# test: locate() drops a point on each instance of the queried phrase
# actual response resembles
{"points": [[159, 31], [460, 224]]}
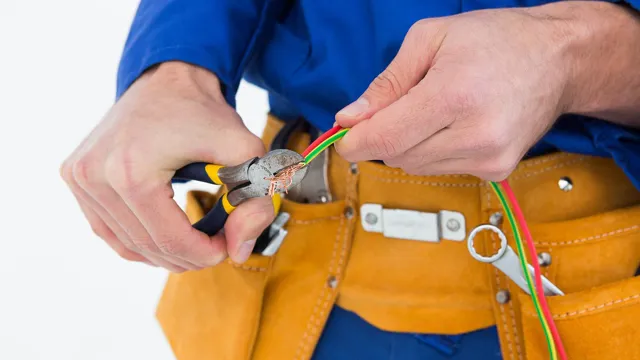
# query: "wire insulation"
{"points": [[321, 139], [534, 256], [525, 270], [324, 145]]}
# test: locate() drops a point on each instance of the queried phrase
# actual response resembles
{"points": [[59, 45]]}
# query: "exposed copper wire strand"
{"points": [[283, 179]]}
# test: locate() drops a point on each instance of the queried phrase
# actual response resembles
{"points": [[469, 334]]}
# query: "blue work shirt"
{"points": [[315, 57]]}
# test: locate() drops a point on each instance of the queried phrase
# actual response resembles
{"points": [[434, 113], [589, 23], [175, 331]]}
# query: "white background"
{"points": [[63, 293]]}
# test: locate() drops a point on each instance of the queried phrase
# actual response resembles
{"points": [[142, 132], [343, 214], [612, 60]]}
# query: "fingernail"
{"points": [[355, 108], [245, 251]]}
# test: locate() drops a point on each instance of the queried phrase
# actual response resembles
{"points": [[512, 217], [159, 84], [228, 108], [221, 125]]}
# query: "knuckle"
{"points": [[144, 246], [387, 84], [413, 170], [261, 218], [254, 147], [417, 31], [498, 168], [490, 139], [394, 163], [121, 174], [461, 101], [66, 172], [81, 171], [170, 246], [101, 230], [383, 147], [419, 26], [128, 255]]}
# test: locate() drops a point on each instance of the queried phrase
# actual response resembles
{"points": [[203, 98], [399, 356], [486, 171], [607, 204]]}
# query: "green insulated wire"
{"points": [[325, 144], [525, 269]]}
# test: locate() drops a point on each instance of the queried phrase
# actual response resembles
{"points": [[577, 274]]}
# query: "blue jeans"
{"points": [[348, 337]]}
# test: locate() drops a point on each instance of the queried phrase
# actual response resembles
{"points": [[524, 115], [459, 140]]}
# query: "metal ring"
{"points": [[503, 243]]}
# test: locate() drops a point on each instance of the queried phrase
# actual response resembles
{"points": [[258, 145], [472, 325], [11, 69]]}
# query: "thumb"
{"points": [[405, 71]]}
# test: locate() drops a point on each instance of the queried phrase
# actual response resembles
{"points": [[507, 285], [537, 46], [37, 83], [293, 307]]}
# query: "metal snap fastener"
{"points": [[323, 197], [503, 296], [332, 282], [565, 184], [544, 259], [354, 168], [348, 212], [453, 224], [496, 219], [371, 219]]}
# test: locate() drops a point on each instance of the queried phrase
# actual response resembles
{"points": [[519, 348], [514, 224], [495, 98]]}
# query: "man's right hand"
{"points": [[121, 173]]}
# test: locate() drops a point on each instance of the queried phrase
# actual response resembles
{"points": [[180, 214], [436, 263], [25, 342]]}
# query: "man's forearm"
{"points": [[604, 59]]}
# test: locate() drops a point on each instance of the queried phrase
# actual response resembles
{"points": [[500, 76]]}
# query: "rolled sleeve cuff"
{"points": [[131, 70]]}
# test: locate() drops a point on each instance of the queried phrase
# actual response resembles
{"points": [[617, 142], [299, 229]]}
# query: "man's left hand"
{"points": [[466, 94]]}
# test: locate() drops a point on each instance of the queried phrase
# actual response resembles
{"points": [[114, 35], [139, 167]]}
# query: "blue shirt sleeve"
{"points": [[218, 35]]}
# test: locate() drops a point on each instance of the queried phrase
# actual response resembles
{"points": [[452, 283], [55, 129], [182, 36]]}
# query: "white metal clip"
{"points": [[413, 225]]}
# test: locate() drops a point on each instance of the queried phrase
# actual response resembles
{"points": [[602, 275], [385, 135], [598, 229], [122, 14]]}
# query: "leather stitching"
{"points": [[416, 182], [590, 238], [400, 172], [507, 333], [547, 169], [531, 163], [501, 306], [593, 308], [246, 267], [320, 308], [523, 165], [312, 323], [314, 221], [515, 329]]}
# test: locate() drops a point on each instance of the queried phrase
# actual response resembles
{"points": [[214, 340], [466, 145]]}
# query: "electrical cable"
{"points": [[534, 256], [525, 270], [324, 145], [320, 139]]}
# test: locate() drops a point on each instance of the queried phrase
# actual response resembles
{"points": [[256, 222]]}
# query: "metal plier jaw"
{"points": [[244, 181]]}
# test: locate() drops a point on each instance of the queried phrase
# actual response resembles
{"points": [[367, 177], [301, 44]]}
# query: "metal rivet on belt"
{"points": [[496, 219], [371, 219], [565, 184], [323, 197], [503, 296], [453, 224], [332, 282], [348, 212], [544, 259], [354, 168]]}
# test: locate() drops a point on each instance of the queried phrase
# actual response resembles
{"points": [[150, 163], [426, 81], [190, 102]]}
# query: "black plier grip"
{"points": [[244, 181]]}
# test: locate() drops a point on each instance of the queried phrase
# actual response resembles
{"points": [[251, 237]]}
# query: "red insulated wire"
{"points": [[534, 259], [322, 138]]}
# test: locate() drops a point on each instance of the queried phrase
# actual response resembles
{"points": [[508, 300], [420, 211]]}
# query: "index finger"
{"points": [[397, 128], [170, 228]]}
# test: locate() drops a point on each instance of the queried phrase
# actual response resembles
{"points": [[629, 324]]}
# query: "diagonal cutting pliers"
{"points": [[245, 181]]}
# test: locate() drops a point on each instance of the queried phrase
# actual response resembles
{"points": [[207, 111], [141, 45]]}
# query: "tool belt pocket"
{"points": [[594, 261], [600, 323], [214, 311]]}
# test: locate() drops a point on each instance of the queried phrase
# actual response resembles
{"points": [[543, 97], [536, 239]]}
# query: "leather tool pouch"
{"points": [[595, 259], [214, 312]]}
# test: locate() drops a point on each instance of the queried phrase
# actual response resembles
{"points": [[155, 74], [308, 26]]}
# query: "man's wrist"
{"points": [[185, 77], [603, 57]]}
